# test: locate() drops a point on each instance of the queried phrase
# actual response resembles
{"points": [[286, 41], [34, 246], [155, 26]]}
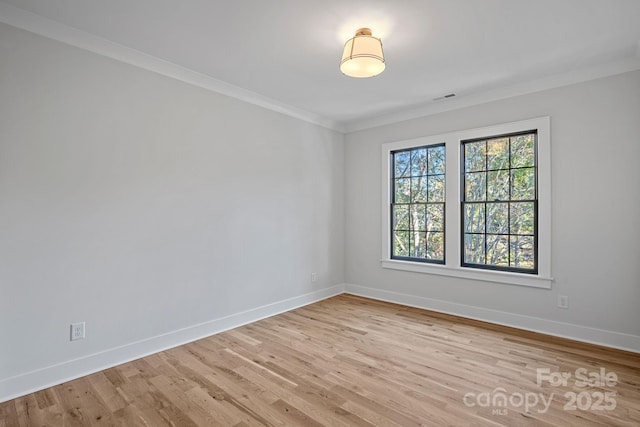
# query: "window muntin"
{"points": [[500, 203], [418, 204]]}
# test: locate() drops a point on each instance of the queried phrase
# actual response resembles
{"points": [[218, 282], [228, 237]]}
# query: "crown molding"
{"points": [[42, 26], [628, 64]]}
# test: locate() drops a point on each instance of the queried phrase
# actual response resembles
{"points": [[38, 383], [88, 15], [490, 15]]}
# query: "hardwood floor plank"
{"points": [[350, 361], [110, 395]]}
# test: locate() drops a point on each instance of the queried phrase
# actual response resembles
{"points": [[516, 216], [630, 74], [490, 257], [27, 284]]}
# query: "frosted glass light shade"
{"points": [[362, 56]]}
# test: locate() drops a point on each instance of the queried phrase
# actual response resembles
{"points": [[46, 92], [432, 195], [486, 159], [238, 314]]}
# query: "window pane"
{"points": [[417, 245], [523, 151], [523, 184], [401, 161], [474, 156], [401, 217], [498, 153], [498, 185], [418, 220], [402, 194], [498, 250], [401, 243], [522, 252], [475, 187], [436, 160], [419, 162], [418, 201], [474, 248], [436, 188], [498, 218], [435, 246], [435, 217], [419, 189], [499, 203], [474, 218], [522, 218]]}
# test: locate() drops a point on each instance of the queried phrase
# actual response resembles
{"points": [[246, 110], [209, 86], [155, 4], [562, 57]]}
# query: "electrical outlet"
{"points": [[563, 301], [314, 277], [77, 331]]}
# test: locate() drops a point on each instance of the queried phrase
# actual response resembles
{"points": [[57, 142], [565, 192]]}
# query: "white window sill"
{"points": [[531, 280]]}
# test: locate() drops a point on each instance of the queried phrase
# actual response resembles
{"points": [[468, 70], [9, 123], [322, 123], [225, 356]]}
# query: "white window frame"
{"points": [[452, 266]]}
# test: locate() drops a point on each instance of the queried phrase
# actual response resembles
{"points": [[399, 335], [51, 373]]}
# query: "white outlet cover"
{"points": [[563, 301], [77, 331]]}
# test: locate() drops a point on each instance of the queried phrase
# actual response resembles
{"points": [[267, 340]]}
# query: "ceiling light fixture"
{"points": [[362, 56]]}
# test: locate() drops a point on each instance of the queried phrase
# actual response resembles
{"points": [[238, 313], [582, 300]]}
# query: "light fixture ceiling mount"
{"points": [[362, 56]]}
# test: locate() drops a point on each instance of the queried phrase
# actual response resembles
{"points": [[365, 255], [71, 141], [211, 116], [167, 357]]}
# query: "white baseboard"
{"points": [[39, 379], [586, 334]]}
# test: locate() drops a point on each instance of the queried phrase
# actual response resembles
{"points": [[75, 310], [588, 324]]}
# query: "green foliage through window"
{"points": [[418, 203], [499, 203]]}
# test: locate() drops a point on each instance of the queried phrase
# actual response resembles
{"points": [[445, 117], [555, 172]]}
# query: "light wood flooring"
{"points": [[349, 361]]}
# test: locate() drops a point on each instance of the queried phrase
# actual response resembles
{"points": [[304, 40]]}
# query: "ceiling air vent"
{"points": [[450, 95]]}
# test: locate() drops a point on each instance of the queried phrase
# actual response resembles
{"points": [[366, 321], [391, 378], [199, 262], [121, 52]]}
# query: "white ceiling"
{"points": [[287, 51]]}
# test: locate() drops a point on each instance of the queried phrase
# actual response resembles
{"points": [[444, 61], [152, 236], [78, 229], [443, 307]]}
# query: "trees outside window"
{"points": [[499, 203], [417, 208]]}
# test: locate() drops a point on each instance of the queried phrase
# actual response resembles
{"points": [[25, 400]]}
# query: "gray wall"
{"points": [[142, 205], [147, 207], [595, 151]]}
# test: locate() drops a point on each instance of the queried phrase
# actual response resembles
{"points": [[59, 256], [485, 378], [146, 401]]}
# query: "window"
{"points": [[499, 203], [472, 204], [417, 207]]}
